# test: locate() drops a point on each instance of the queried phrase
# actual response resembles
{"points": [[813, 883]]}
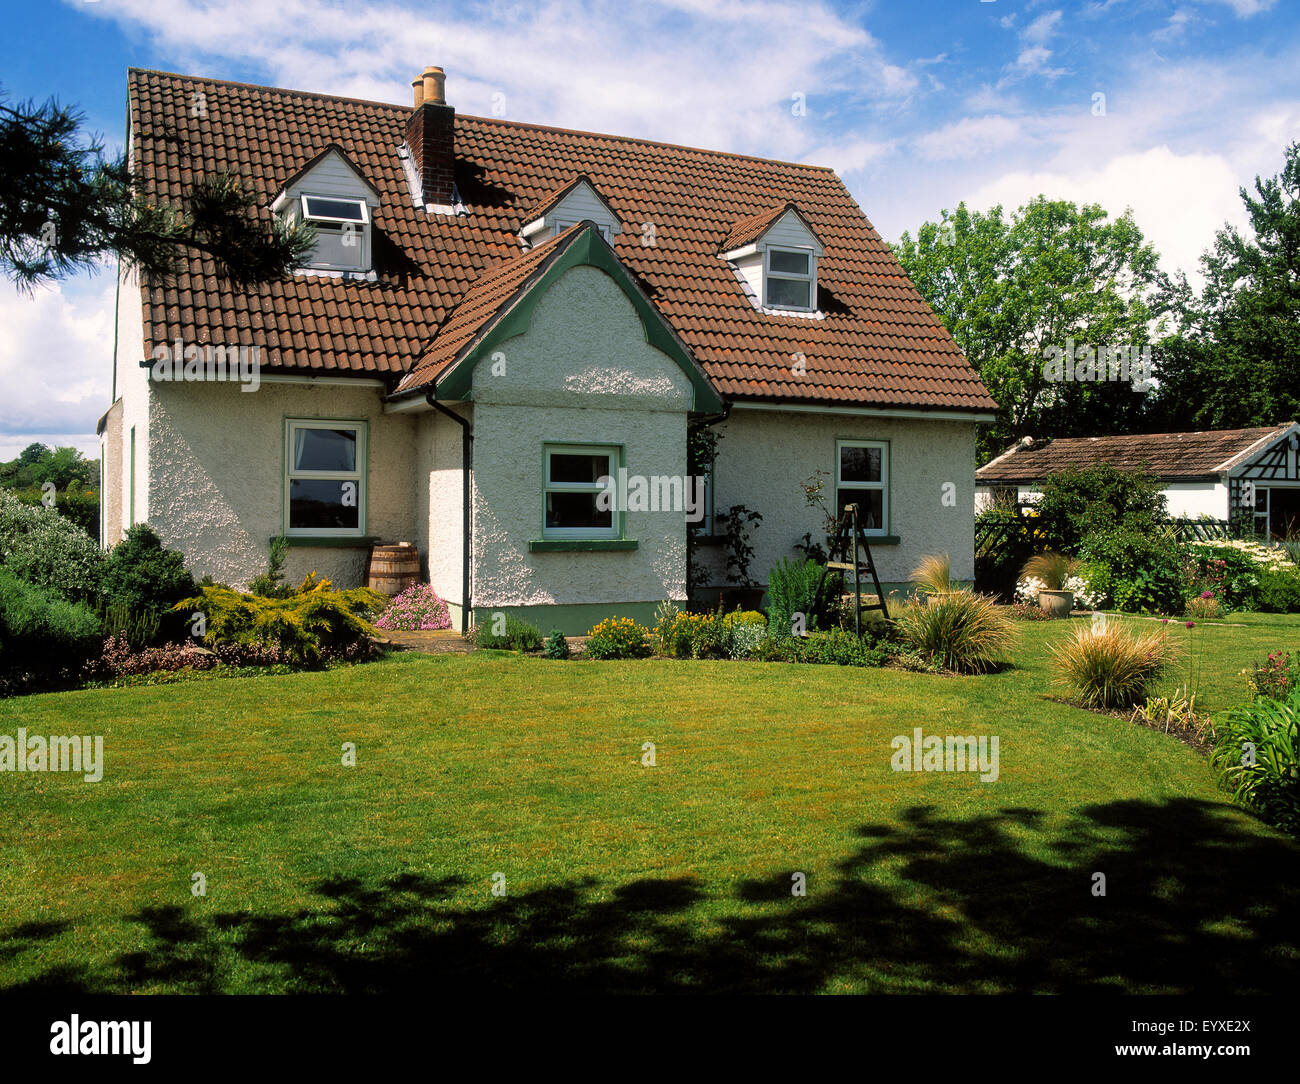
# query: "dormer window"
{"points": [[774, 255], [789, 282], [578, 201], [342, 232], [331, 193]]}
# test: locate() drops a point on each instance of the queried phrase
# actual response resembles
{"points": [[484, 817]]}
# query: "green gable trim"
{"points": [[586, 249], [580, 545]]}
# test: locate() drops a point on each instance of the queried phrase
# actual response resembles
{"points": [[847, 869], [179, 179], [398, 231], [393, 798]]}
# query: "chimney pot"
{"points": [[435, 85], [418, 84]]}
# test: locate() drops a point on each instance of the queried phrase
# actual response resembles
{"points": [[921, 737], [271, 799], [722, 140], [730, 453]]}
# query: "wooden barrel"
{"points": [[393, 568]]}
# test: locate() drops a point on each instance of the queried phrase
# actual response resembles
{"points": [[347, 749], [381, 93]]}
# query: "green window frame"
{"points": [[563, 497], [854, 467], [300, 481]]}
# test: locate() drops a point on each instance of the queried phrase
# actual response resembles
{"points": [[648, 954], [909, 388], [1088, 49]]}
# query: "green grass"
{"points": [[623, 877]]}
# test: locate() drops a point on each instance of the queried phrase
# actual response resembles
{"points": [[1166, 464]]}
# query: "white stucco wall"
{"points": [[582, 373], [439, 496], [1191, 500], [216, 475], [1185, 500], [765, 456]]}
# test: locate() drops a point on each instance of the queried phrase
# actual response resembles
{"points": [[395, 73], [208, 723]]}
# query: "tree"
{"points": [[1055, 276], [1239, 363], [65, 207], [37, 464]]}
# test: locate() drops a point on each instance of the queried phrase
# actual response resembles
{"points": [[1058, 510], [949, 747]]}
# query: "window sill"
{"points": [[580, 545], [357, 542], [883, 540]]}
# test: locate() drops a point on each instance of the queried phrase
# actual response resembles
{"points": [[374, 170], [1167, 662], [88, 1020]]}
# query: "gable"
{"points": [[575, 202], [581, 246]]}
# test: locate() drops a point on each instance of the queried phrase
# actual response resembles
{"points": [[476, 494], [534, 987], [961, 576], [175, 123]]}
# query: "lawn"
{"points": [[625, 877]]}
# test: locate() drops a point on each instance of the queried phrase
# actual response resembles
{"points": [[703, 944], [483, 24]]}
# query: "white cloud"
{"points": [[1178, 200], [1041, 29], [969, 138], [55, 364], [1244, 9]]}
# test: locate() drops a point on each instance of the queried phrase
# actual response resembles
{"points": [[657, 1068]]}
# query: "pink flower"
{"points": [[1191, 624], [1207, 594]]}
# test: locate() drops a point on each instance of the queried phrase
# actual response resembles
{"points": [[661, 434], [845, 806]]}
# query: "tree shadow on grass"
{"points": [[1194, 903]]}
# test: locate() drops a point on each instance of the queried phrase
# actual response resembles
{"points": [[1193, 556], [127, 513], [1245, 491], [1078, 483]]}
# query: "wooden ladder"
{"points": [[849, 538]]}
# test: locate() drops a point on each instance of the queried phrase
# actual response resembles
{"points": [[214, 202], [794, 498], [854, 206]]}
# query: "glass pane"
{"points": [[859, 464], [576, 510], [567, 468], [335, 208], [321, 502], [325, 449], [789, 293], [792, 263], [871, 506]]}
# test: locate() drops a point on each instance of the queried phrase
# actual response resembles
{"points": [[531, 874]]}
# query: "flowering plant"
{"points": [[417, 608]]}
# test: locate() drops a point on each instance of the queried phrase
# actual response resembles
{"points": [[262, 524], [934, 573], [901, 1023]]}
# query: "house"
{"points": [[499, 351], [1245, 476]]}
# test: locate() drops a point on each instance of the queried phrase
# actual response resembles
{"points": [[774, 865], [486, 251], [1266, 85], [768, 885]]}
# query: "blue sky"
{"points": [[918, 104]]}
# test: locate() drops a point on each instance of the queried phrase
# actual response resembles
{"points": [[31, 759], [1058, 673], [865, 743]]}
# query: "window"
{"points": [[573, 508], [862, 478], [341, 231], [560, 227], [790, 278], [324, 491]]}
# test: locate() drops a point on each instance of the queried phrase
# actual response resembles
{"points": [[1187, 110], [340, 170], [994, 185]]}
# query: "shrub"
{"points": [[709, 637], [143, 578], [138, 628], [962, 631], [417, 608], [1278, 592], [515, 634], [41, 631], [618, 638], [270, 584], [309, 628], [744, 641], [557, 647], [792, 589], [743, 617], [1076, 503], [76, 503], [1257, 757], [1203, 607], [673, 632], [837, 647], [1232, 570], [44, 548], [1276, 677], [1143, 567], [1112, 667]]}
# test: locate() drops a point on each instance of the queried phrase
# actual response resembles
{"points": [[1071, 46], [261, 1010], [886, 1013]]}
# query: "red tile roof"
{"points": [[753, 227], [879, 343], [1169, 456]]}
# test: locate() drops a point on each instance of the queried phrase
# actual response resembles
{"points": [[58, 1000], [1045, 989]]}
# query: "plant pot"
{"points": [[1056, 603]]}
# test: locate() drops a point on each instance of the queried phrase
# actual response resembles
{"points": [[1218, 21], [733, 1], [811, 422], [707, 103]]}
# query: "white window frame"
{"points": [[365, 209], [561, 226], [329, 225], [291, 426], [614, 455], [810, 278], [882, 485]]}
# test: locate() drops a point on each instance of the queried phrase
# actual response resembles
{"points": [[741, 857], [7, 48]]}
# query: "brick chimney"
{"points": [[431, 138]]}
